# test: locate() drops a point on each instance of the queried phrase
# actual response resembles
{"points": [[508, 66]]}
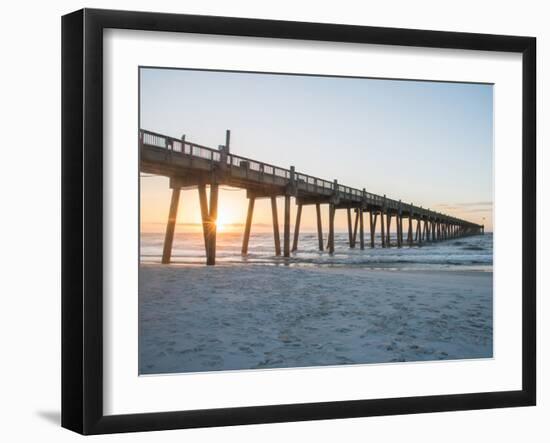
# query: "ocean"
{"points": [[462, 254]]}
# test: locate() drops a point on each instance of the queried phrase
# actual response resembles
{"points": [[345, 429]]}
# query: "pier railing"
{"points": [[303, 181]]}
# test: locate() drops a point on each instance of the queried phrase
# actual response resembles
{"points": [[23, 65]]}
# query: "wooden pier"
{"points": [[189, 165]]}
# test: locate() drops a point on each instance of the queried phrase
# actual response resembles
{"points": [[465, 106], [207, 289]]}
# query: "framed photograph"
{"points": [[269, 221]]}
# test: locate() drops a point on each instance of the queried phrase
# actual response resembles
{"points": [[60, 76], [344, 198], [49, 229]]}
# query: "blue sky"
{"points": [[429, 143]]}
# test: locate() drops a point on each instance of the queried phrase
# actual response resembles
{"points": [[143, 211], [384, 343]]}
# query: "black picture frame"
{"points": [[82, 218]]}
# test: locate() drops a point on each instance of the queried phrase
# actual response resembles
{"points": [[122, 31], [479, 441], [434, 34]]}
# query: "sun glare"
{"points": [[222, 223]]}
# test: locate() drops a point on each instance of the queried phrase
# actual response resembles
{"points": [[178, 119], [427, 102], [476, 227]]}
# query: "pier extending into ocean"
{"points": [[190, 165]]}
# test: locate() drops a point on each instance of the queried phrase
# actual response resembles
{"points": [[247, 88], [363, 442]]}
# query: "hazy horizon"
{"points": [[237, 227]]}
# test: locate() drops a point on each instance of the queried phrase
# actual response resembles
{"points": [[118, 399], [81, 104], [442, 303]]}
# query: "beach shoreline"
{"points": [[252, 316]]}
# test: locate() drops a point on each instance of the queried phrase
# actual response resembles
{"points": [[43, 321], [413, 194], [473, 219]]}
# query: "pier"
{"points": [[190, 165]]}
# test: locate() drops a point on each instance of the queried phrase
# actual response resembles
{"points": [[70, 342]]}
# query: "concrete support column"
{"points": [[350, 231], [399, 220], [382, 229], [319, 226], [212, 229], [204, 215], [388, 226], [286, 234], [361, 229], [372, 221], [297, 228], [332, 213], [410, 233], [275, 218], [354, 237], [248, 225], [171, 226]]}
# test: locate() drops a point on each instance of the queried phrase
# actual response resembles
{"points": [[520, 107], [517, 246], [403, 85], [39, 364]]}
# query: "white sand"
{"points": [[240, 317]]}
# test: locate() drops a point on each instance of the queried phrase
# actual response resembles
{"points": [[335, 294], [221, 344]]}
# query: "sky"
{"points": [[426, 143]]}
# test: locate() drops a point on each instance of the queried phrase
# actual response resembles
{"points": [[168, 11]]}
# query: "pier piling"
{"points": [[372, 220], [355, 225], [204, 214], [319, 226], [248, 225], [382, 229], [275, 220], [360, 214], [332, 212], [297, 228], [388, 225], [286, 233], [171, 226], [212, 228], [350, 231]]}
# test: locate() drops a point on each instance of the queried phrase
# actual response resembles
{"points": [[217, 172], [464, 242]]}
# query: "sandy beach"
{"points": [[229, 317]]}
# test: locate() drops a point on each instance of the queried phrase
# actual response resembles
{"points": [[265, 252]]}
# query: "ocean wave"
{"points": [[189, 248]]}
